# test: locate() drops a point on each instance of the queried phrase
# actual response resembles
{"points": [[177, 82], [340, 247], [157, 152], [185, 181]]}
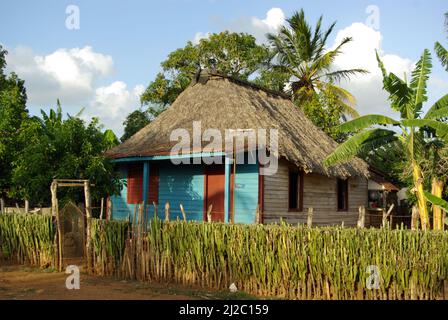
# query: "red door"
{"points": [[214, 186]]}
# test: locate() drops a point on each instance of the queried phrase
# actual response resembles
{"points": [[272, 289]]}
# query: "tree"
{"points": [[301, 54], [233, 54], [441, 52], [138, 119], [408, 99], [62, 148], [13, 115], [325, 112]]}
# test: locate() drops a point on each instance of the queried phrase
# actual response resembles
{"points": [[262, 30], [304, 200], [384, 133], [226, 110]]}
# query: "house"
{"points": [[382, 195], [237, 191]]}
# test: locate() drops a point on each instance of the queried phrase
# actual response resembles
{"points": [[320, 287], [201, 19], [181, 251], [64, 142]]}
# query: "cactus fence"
{"points": [[294, 262]]}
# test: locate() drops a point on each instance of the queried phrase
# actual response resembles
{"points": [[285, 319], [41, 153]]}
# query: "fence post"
{"points": [[386, 215], [109, 209], [209, 213], [361, 217], [88, 217], [155, 208], [2, 205], [167, 212], [257, 215], [184, 215], [55, 213], [102, 208], [414, 218], [27, 206], [309, 220]]}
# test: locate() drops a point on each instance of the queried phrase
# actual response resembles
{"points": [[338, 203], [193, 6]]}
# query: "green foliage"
{"points": [[326, 113], [138, 119], [301, 53], [441, 52], [408, 100], [277, 260], [28, 239], [62, 148], [233, 54], [13, 114], [437, 201]]}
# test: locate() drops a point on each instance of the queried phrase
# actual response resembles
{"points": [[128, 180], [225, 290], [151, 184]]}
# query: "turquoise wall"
{"points": [[185, 184], [121, 209], [181, 184], [246, 193]]}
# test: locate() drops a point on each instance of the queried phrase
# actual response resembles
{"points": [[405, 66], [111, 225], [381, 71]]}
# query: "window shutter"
{"points": [[135, 183]]}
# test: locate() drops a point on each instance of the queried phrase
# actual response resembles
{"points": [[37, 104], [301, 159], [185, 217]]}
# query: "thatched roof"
{"points": [[226, 103]]}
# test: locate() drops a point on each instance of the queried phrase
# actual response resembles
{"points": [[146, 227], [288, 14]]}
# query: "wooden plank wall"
{"points": [[319, 192]]}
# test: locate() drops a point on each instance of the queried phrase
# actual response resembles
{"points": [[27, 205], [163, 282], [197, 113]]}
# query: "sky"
{"points": [[100, 55]]}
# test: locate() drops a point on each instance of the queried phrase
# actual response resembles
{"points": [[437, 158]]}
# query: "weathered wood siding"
{"points": [[319, 192]]}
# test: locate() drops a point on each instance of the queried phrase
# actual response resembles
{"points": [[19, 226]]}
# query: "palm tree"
{"points": [[301, 53], [407, 133], [441, 52]]}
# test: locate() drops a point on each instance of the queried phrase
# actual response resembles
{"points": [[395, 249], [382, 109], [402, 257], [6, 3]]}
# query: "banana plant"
{"points": [[374, 131]]}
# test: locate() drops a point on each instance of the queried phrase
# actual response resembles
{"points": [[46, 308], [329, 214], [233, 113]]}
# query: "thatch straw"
{"points": [[225, 103]]}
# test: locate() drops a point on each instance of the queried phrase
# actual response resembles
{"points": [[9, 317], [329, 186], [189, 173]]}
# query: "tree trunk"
{"points": [[2, 205], [421, 200], [27, 206], [437, 188]]}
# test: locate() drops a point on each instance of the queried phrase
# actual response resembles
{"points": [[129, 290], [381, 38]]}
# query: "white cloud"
{"points": [[258, 27], [71, 75], [275, 18], [200, 35], [360, 53], [67, 74], [113, 103]]}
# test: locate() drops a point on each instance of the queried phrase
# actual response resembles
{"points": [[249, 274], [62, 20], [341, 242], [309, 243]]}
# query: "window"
{"points": [[342, 195], [295, 191]]}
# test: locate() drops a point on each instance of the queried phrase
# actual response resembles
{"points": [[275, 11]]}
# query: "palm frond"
{"points": [[420, 76], [440, 104], [436, 200], [357, 143], [366, 121], [338, 75], [442, 54], [440, 127], [438, 114]]}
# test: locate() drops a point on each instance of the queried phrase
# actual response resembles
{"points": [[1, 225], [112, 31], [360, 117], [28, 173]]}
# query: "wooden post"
{"points": [[27, 206], [361, 217], [155, 209], [2, 205], [386, 215], [209, 213], [184, 215], [309, 220], [109, 209], [167, 212], [102, 208], [414, 218], [258, 215], [55, 213], [88, 217]]}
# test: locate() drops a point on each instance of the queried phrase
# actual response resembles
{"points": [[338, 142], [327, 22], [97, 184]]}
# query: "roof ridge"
{"points": [[203, 75]]}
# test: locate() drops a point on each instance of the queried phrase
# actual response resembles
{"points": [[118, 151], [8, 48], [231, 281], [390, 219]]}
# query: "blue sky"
{"points": [[125, 41]]}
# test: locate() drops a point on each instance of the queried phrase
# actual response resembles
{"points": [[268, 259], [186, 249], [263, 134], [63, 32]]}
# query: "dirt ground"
{"points": [[27, 283]]}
